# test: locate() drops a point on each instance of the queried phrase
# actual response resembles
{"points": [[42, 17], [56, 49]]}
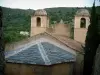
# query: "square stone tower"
{"points": [[39, 22], [81, 23]]}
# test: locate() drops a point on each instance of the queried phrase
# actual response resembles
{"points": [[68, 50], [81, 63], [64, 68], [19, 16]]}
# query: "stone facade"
{"points": [[79, 32], [61, 28], [25, 69], [57, 29], [44, 22]]}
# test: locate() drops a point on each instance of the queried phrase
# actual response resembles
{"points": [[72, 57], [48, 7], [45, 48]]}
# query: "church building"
{"points": [[49, 50]]}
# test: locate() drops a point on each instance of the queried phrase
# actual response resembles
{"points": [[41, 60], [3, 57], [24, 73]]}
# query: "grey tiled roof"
{"points": [[42, 53]]}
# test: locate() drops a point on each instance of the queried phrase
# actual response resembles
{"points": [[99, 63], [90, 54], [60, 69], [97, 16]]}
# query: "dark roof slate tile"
{"points": [[32, 55]]}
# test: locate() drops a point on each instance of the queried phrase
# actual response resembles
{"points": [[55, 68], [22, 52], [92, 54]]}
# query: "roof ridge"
{"points": [[62, 42], [43, 54]]}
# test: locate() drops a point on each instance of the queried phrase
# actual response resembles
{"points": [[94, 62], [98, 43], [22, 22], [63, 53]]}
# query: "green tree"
{"points": [[91, 43], [1, 45]]}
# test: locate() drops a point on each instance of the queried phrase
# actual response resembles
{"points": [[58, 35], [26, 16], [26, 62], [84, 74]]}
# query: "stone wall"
{"points": [[80, 34], [25, 69], [60, 29], [35, 29]]}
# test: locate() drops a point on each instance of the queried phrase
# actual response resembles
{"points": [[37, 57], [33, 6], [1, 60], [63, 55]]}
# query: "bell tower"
{"points": [[81, 23], [39, 22]]}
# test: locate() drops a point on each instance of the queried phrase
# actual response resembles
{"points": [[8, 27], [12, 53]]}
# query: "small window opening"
{"points": [[83, 23], [38, 21]]}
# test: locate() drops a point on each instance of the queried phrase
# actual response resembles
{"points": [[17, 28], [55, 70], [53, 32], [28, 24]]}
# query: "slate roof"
{"points": [[42, 53]]}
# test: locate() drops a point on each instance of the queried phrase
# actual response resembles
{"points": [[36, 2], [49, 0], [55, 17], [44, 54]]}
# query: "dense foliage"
{"points": [[92, 41], [14, 21]]}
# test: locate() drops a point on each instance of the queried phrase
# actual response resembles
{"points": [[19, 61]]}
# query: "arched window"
{"points": [[83, 23], [38, 21]]}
